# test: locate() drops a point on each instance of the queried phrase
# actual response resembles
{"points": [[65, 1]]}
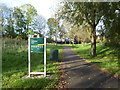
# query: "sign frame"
{"points": [[29, 56]]}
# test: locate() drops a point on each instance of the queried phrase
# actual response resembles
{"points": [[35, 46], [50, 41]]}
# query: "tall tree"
{"points": [[39, 24], [6, 20], [19, 20], [88, 12], [29, 12], [112, 23], [2, 21], [10, 25], [67, 31], [82, 33], [53, 27], [62, 32]]}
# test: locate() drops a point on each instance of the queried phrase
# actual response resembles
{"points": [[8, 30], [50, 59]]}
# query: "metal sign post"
{"points": [[44, 57], [36, 45]]}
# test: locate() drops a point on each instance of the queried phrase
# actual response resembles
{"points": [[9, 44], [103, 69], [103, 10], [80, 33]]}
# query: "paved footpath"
{"points": [[81, 74]]}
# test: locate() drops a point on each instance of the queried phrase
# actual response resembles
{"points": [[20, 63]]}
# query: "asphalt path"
{"points": [[81, 74]]}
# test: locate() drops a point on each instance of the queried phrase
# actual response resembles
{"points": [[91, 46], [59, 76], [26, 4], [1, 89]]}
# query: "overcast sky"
{"points": [[44, 7]]}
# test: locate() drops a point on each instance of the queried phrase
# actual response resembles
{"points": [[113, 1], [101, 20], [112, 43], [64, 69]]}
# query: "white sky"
{"points": [[44, 7]]}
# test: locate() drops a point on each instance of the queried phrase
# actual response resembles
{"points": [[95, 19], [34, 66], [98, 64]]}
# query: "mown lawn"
{"points": [[15, 66], [106, 58]]}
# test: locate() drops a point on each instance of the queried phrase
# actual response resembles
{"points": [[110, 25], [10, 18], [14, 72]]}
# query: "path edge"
{"points": [[61, 82], [102, 69]]}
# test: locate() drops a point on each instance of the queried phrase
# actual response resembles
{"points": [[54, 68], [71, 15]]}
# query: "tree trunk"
{"points": [[93, 43]]}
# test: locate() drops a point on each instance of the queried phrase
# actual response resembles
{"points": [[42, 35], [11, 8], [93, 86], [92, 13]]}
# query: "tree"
{"points": [[67, 31], [112, 23], [62, 32], [82, 33], [39, 24], [7, 21], [19, 19], [101, 34], [2, 10], [53, 27], [29, 12], [89, 12]]}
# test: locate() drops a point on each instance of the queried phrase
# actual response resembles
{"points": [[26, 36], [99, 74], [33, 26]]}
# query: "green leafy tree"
{"points": [[88, 12], [19, 19], [53, 27], [7, 22], [67, 31], [82, 33], [112, 23], [29, 12], [2, 13], [62, 32]]}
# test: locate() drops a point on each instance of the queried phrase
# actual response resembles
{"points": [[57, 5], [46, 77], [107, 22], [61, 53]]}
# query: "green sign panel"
{"points": [[37, 44]]}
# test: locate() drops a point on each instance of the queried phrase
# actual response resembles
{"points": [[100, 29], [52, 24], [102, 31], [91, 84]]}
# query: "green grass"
{"points": [[106, 58], [15, 66]]}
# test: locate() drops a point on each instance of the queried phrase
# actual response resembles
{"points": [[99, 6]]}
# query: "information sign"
{"points": [[37, 44]]}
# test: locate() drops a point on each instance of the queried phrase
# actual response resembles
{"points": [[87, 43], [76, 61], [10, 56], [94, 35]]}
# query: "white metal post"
{"points": [[29, 52], [29, 55], [44, 57]]}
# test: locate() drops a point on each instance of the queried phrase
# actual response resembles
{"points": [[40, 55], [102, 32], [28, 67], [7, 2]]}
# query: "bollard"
{"points": [[54, 55]]}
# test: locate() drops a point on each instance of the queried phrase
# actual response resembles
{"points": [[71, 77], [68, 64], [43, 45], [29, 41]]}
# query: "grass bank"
{"points": [[15, 66], [107, 58]]}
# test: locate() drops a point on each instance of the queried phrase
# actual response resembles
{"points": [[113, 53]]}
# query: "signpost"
{"points": [[37, 45]]}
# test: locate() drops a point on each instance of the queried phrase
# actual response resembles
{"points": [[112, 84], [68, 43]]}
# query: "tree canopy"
{"points": [[88, 13], [21, 21]]}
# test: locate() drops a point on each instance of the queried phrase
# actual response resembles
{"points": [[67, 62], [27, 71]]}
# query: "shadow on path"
{"points": [[81, 74]]}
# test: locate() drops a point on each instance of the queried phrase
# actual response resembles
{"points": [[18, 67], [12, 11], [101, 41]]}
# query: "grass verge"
{"points": [[15, 66]]}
